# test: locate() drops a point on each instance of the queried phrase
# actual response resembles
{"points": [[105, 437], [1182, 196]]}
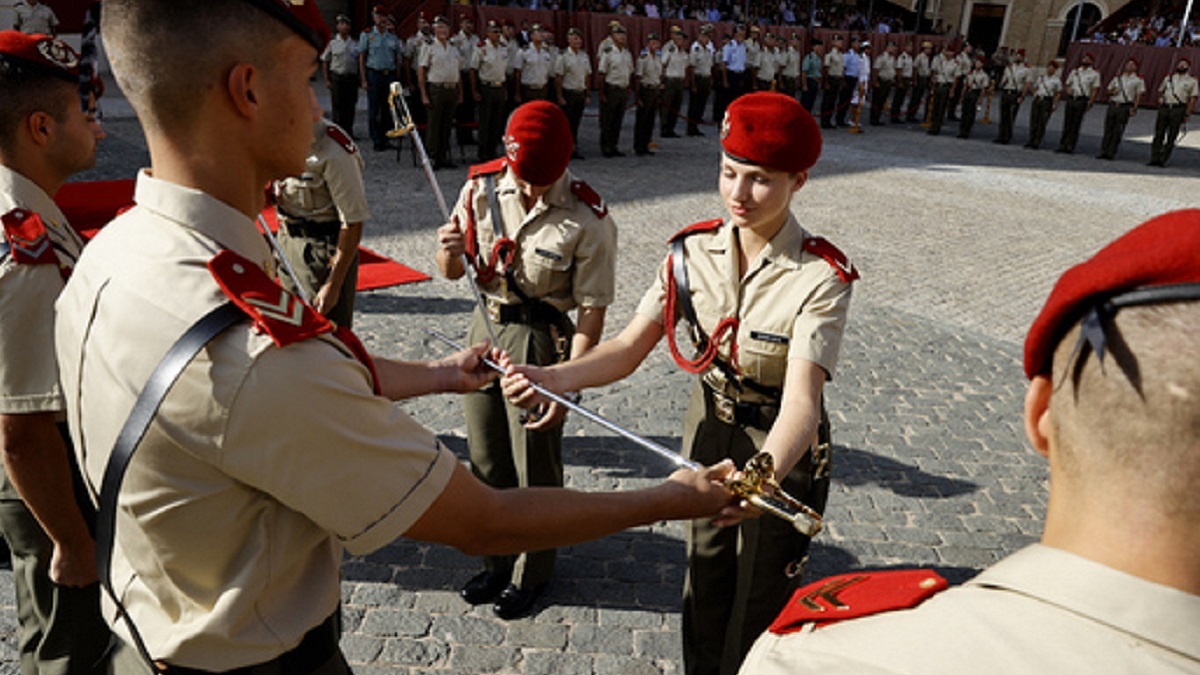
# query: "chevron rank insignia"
{"points": [[834, 256], [589, 196], [28, 242], [848, 596], [341, 138], [281, 315]]}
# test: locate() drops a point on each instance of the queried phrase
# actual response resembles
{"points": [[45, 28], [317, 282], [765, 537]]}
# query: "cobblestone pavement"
{"points": [[958, 242]]}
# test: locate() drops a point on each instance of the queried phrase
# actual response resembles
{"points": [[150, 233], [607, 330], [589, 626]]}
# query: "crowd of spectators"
{"points": [[1159, 27]]}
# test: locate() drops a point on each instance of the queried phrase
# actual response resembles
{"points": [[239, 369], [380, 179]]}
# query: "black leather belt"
{"points": [[315, 649], [302, 227], [535, 312], [1172, 105], [739, 413]]}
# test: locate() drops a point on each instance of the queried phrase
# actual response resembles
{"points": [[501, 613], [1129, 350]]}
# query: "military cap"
{"points": [[574, 31], [1153, 263], [676, 30], [754, 29], [865, 45], [707, 29], [772, 131], [302, 16], [342, 18], [651, 36], [439, 19], [616, 27], [613, 24], [536, 27], [379, 9], [492, 25], [926, 45], [39, 53], [538, 142]]}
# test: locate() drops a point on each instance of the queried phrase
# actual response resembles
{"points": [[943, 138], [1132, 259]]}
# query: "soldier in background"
{"points": [[833, 80], [1125, 93], [33, 17], [379, 62], [789, 71], [922, 64], [903, 85], [1046, 90], [534, 67], [766, 67], [675, 69], [976, 83], [1014, 87], [701, 60], [489, 90], [572, 78], [883, 79], [441, 90], [413, 47], [466, 41], [943, 74], [812, 75], [647, 88], [1176, 100], [1081, 89], [339, 64], [615, 67]]}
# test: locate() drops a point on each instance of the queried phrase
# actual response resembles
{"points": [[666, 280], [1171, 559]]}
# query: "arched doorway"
{"points": [[1090, 17]]}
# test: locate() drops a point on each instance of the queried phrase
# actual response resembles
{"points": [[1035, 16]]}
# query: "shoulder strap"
{"points": [[848, 596], [26, 239], [144, 409]]}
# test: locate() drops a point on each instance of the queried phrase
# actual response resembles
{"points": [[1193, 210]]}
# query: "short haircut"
{"points": [[24, 91], [1132, 424], [164, 52]]}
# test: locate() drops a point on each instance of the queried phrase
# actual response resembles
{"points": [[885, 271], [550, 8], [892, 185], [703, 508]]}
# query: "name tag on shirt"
{"points": [[769, 337], [547, 254]]}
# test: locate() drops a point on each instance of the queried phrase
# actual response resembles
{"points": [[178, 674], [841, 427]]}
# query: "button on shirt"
{"points": [[574, 67], [382, 49], [223, 558]]}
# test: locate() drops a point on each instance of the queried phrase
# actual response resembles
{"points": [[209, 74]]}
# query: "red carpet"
{"points": [[90, 205]]}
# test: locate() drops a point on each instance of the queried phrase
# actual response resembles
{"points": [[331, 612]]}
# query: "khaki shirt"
{"points": [[1047, 85], [1083, 82], [566, 254], [1177, 89], [441, 61], [904, 64], [28, 369], [1126, 88], [341, 55], [768, 64], [574, 67], [943, 70], [331, 188], [31, 19], [535, 66], [835, 63], [649, 69], [701, 59], [675, 61], [1041, 610], [752, 50], [885, 67], [514, 49], [923, 64], [491, 60], [239, 503], [791, 63], [977, 80], [1015, 77], [415, 45], [963, 61], [466, 45], [616, 65], [791, 305]]}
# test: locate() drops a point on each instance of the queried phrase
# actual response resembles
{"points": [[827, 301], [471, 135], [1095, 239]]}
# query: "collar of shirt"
{"points": [[557, 196], [29, 196], [784, 249], [203, 213], [1149, 611]]}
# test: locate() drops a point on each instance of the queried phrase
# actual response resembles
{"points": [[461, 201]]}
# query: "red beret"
{"points": [[302, 16], [41, 53], [380, 9], [1160, 252], [771, 130], [538, 142]]}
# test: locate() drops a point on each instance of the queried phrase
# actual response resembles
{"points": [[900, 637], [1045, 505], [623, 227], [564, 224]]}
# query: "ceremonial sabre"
{"points": [[402, 121], [758, 474], [287, 264]]}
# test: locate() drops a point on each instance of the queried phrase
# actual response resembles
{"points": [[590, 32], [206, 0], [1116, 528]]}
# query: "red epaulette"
{"points": [[588, 196], [341, 138], [281, 315], [28, 241], [487, 168], [832, 255], [702, 226], [849, 596]]}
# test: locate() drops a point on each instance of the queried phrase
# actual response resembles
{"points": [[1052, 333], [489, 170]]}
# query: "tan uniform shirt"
{"points": [[238, 504], [466, 45], [1015, 77], [31, 19], [340, 55], [491, 60], [835, 63], [415, 45], [885, 67], [331, 187], [1082, 82], [943, 70], [535, 66], [514, 50], [28, 369], [574, 67], [616, 65], [924, 64], [675, 61], [1047, 85], [790, 305], [768, 64], [752, 51], [701, 58], [1041, 610], [1177, 89], [963, 61], [566, 253], [904, 64], [977, 80], [791, 63], [442, 62], [1126, 88]]}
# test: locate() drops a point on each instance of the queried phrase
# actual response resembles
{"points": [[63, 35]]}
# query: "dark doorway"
{"points": [[987, 22], [1090, 17]]}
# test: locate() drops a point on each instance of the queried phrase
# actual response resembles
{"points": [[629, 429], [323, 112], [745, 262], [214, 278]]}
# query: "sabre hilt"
{"points": [[402, 122]]}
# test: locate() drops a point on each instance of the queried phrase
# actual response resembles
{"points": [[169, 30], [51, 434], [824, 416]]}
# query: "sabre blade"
{"points": [[287, 264]]}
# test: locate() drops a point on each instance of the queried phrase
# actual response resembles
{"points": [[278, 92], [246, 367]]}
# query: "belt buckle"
{"points": [[493, 310], [724, 408]]}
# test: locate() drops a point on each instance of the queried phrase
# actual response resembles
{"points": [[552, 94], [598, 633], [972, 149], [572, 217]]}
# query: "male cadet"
{"points": [[34, 18], [321, 216], [963, 60], [513, 39], [883, 78], [675, 68], [616, 69], [849, 90], [1046, 89], [410, 53], [441, 90], [1176, 99], [572, 77], [1014, 87], [45, 137], [1124, 95], [811, 75], [753, 47], [700, 63], [1113, 587], [832, 81], [975, 83], [734, 62], [379, 62], [647, 87], [465, 41], [234, 512], [534, 67], [339, 64], [789, 69], [488, 72], [923, 65], [943, 74], [1082, 87], [902, 84], [766, 67]]}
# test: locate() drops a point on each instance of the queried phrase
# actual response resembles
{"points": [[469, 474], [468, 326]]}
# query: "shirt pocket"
{"points": [[546, 263], [763, 353]]}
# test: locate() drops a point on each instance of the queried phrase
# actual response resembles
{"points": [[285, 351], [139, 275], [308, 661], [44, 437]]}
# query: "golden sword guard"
{"points": [[402, 122]]}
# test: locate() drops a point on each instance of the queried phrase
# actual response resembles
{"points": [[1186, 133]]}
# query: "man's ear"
{"points": [[1037, 414], [243, 82], [41, 126]]}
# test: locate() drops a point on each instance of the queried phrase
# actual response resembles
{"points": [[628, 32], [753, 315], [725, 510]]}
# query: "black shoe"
{"points": [[695, 132], [514, 602], [1155, 162], [484, 587], [1103, 156], [1063, 151], [1031, 146], [643, 153], [962, 136]]}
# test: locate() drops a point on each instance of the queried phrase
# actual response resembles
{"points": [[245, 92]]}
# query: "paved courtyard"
{"points": [[958, 242]]}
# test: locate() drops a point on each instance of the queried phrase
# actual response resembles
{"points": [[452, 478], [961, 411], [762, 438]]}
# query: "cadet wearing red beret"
{"points": [[1113, 586], [765, 302]]}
